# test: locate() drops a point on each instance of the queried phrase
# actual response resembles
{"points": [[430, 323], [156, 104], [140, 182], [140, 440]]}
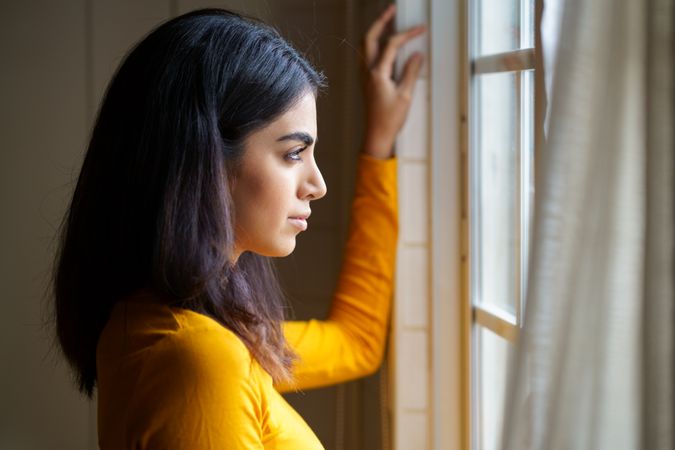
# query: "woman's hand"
{"points": [[387, 100]]}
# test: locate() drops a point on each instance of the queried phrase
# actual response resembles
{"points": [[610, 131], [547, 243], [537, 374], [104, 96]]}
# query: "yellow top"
{"points": [[170, 378]]}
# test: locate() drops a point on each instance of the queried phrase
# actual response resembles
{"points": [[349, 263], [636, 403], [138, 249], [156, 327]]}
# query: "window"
{"points": [[466, 165], [501, 147]]}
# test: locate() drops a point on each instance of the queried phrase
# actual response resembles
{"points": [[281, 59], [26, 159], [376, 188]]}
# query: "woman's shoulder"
{"points": [[202, 348], [157, 332]]}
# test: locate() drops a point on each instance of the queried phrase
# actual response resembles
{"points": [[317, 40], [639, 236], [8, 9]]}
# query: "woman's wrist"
{"points": [[380, 148]]}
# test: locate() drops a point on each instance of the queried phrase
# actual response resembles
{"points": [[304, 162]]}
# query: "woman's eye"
{"points": [[295, 155]]}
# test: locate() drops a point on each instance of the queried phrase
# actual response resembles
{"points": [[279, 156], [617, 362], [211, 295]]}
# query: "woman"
{"points": [[200, 167]]}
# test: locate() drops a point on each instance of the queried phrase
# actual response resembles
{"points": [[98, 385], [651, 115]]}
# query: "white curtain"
{"points": [[595, 361]]}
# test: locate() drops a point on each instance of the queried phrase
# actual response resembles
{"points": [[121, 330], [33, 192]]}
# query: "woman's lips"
{"points": [[299, 222]]}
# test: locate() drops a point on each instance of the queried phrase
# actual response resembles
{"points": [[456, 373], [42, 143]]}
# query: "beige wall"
{"points": [[57, 60], [42, 117]]}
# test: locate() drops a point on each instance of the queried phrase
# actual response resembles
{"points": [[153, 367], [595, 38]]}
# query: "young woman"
{"points": [[200, 167]]}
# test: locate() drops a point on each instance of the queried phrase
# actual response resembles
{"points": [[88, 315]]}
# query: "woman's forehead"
{"points": [[298, 122]]}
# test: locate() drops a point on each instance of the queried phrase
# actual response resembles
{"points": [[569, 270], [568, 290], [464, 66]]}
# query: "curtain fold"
{"points": [[658, 402], [594, 368]]}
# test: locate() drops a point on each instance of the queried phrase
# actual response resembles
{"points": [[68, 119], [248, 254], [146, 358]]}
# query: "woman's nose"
{"points": [[315, 186]]}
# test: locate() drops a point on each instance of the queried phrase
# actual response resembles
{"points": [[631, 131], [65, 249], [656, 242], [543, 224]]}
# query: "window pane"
{"points": [[498, 26], [495, 191], [494, 355]]}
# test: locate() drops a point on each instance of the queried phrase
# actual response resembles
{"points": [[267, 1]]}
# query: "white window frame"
{"points": [[439, 146], [501, 323], [449, 312], [442, 424], [430, 144]]}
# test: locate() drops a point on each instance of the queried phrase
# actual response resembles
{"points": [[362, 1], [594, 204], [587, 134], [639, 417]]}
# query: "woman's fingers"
{"points": [[386, 62], [387, 100], [410, 73], [372, 36]]}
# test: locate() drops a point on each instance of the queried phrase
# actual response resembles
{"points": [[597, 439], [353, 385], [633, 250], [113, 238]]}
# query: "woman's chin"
{"points": [[278, 251], [288, 250]]}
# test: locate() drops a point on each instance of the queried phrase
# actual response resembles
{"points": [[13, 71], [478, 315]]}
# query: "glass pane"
{"points": [[498, 26], [495, 191], [494, 354]]}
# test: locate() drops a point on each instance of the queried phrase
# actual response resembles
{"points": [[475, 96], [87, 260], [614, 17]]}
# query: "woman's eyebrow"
{"points": [[298, 136]]}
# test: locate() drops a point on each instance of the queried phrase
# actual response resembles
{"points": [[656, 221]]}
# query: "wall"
{"points": [[43, 115]]}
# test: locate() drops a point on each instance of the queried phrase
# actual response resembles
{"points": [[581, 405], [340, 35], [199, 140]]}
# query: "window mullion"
{"points": [[516, 60], [499, 323]]}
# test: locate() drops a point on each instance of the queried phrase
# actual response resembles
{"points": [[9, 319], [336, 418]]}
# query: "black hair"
{"points": [[152, 207]]}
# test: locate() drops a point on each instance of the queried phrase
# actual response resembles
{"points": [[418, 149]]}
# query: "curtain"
{"points": [[594, 367]]}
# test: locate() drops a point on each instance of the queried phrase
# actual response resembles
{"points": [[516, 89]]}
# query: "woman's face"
{"points": [[276, 181]]}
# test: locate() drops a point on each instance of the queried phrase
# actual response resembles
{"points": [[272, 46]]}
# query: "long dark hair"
{"points": [[152, 205]]}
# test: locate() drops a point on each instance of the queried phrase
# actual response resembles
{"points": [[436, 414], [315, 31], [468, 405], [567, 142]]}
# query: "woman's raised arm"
{"points": [[351, 342]]}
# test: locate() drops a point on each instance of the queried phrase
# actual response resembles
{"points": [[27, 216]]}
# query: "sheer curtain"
{"points": [[595, 362]]}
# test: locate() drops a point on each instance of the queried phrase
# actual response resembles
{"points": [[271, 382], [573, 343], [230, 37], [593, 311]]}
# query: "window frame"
{"points": [[504, 325], [444, 138]]}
